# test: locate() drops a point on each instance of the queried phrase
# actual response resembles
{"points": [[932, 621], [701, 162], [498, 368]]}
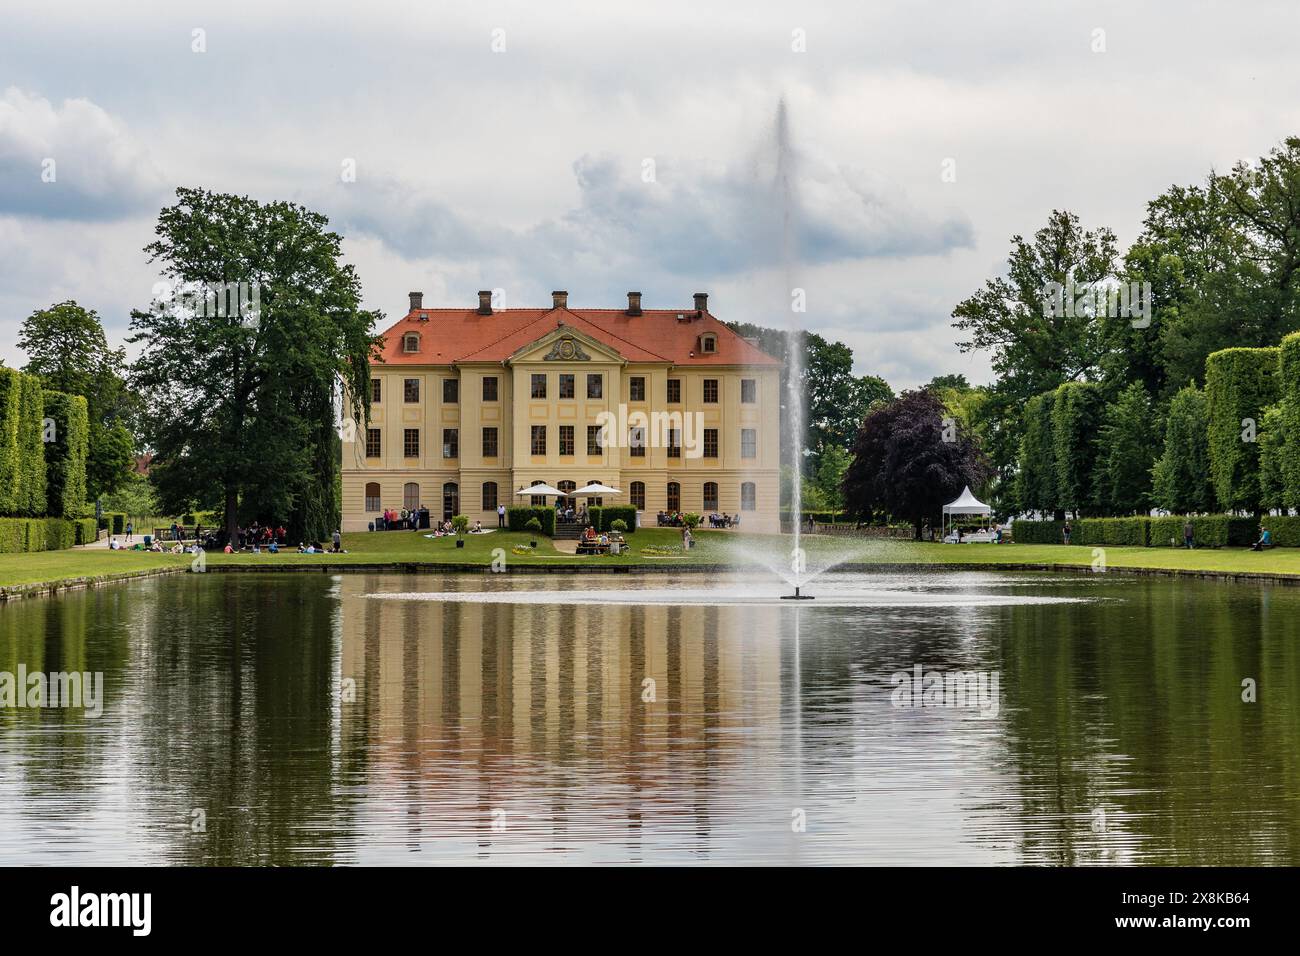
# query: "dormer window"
{"points": [[708, 343], [411, 342]]}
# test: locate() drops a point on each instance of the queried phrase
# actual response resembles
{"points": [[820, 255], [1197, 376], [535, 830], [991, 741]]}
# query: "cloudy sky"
{"points": [[601, 147]]}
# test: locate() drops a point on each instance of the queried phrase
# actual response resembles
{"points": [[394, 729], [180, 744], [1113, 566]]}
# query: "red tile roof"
{"points": [[448, 336]]}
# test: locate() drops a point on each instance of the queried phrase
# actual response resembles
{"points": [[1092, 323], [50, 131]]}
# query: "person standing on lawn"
{"points": [[1188, 533]]}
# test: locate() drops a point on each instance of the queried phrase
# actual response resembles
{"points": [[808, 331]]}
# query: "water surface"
{"points": [[315, 719]]}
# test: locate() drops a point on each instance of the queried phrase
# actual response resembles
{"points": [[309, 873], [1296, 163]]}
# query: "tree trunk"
{"points": [[232, 517]]}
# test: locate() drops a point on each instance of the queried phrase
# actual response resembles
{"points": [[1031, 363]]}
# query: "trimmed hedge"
{"points": [[18, 535], [10, 390], [517, 517], [1240, 384], [86, 531], [1212, 531], [1285, 530], [65, 456], [33, 453], [114, 522], [603, 516]]}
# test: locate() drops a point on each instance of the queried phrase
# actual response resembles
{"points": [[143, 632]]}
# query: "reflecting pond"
{"points": [[402, 719]]}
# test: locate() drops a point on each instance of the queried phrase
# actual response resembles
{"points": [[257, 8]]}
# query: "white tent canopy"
{"points": [[596, 488], [966, 504]]}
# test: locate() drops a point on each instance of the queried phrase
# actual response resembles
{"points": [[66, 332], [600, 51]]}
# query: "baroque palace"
{"points": [[470, 406]]}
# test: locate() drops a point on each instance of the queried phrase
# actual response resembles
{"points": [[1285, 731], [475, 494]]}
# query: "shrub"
{"points": [[114, 522], [618, 524], [691, 520], [1116, 532], [517, 519], [1284, 529], [603, 518], [534, 525], [461, 522]]}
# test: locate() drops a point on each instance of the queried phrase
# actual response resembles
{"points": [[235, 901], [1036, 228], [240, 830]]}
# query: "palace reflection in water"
{"points": [[300, 721]]}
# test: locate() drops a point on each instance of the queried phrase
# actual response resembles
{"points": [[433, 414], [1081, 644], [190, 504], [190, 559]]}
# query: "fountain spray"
{"points": [[788, 204]]}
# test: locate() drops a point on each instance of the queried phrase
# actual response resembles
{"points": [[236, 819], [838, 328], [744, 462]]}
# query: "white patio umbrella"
{"points": [[595, 489], [966, 504], [543, 490]]}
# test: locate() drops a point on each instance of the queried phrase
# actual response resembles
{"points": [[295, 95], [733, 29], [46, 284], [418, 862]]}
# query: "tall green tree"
{"points": [[240, 405], [1036, 478], [1181, 476], [1128, 441], [1035, 347], [66, 347]]}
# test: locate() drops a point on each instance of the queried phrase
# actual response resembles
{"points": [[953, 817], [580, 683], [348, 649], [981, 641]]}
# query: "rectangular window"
{"points": [[375, 391], [638, 495], [566, 385], [674, 443], [451, 443], [711, 391], [411, 390], [490, 442], [710, 496], [636, 388], [749, 443], [636, 442], [748, 391], [748, 496], [373, 446], [411, 442], [710, 443], [593, 440], [596, 386], [450, 391], [539, 440], [674, 391], [489, 496], [566, 439], [489, 388], [539, 386]]}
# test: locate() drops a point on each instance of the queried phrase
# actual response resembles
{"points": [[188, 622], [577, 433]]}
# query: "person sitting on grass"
{"points": [[1265, 541], [113, 545], [478, 527], [273, 548]]}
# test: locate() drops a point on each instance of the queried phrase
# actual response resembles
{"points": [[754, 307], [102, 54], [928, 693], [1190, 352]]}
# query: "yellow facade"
{"points": [[449, 477]]}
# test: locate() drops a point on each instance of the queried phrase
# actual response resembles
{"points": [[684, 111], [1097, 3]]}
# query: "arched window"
{"points": [[595, 502], [674, 496], [450, 500], [411, 342], [411, 495], [710, 496], [637, 493], [372, 496], [489, 496], [748, 496], [538, 501]]}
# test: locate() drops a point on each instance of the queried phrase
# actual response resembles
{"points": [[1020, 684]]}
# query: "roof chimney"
{"points": [[417, 301], [484, 301], [701, 302], [559, 300], [634, 303]]}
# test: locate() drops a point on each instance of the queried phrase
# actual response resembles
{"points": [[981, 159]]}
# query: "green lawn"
{"points": [[712, 548]]}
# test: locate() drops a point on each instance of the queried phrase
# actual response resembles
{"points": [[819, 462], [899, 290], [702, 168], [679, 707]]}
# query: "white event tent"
{"points": [[966, 504]]}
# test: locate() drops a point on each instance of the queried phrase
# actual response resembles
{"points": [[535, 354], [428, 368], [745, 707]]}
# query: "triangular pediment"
{"points": [[565, 344]]}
